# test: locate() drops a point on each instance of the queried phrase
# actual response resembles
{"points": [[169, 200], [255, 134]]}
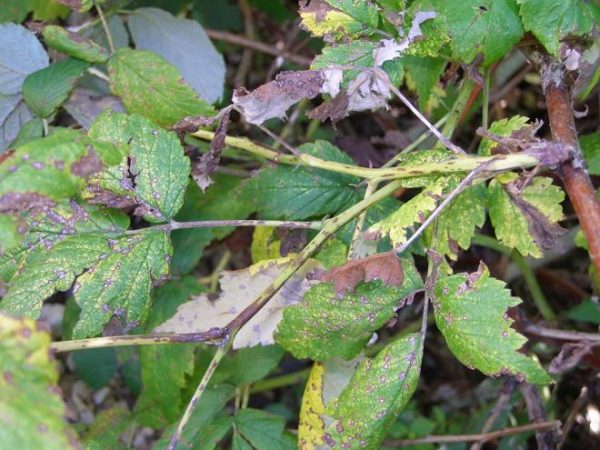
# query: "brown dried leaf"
{"points": [[275, 97], [383, 266], [335, 109], [209, 162]]}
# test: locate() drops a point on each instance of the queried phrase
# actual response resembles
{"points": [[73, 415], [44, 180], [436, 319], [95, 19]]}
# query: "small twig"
{"points": [[546, 437], [562, 335], [451, 196], [98, 73], [259, 46], [109, 38], [279, 140], [505, 393], [245, 63], [173, 225], [452, 147], [579, 403], [218, 356], [482, 437], [212, 335]]}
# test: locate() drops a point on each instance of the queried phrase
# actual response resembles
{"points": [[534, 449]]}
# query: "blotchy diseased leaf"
{"points": [[471, 314], [239, 289], [151, 86], [339, 19], [486, 27], [155, 173], [326, 325], [119, 283], [377, 393], [63, 241], [183, 43], [386, 267], [298, 193], [553, 20], [273, 99], [54, 167], [416, 210], [457, 223], [74, 44], [324, 385], [46, 89], [32, 411], [165, 367], [209, 162], [526, 219], [512, 127]]}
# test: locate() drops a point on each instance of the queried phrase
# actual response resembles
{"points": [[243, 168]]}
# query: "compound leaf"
{"points": [[32, 411], [377, 393], [151, 86], [471, 314]]}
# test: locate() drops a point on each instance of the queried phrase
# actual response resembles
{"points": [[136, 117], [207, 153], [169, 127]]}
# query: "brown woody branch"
{"points": [[573, 173]]}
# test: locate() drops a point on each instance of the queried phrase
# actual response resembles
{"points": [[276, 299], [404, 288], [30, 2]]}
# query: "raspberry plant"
{"points": [[113, 213]]}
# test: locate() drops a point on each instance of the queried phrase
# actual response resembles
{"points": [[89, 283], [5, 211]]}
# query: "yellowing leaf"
{"points": [[31, 408], [470, 312], [311, 427]]}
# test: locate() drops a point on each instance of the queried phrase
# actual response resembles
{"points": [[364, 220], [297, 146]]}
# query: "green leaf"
{"points": [[424, 74], [219, 202], [31, 130], [488, 27], [120, 283], [195, 434], [11, 11], [165, 367], [298, 193], [377, 393], [515, 223], [32, 409], [248, 365], [107, 428], [415, 210], [151, 86], [20, 54], [587, 311], [158, 164], [263, 430], [96, 367], [183, 43], [590, 146], [74, 44], [553, 20], [325, 325], [45, 90], [48, 10], [504, 128], [471, 314], [55, 166], [457, 223], [65, 243]]}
